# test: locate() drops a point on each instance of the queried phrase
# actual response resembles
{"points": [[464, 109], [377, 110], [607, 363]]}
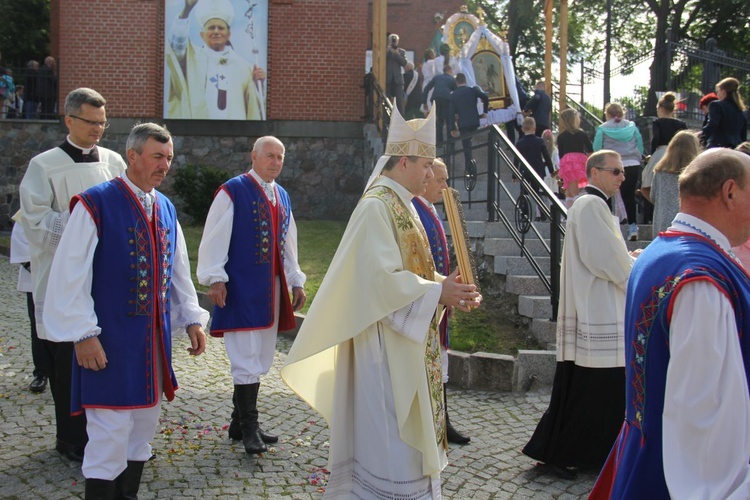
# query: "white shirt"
{"points": [[706, 420], [69, 315], [213, 253]]}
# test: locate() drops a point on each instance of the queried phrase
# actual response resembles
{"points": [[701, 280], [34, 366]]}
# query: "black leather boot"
{"points": [[267, 438], [234, 432], [129, 481], [99, 489], [247, 400], [453, 435]]}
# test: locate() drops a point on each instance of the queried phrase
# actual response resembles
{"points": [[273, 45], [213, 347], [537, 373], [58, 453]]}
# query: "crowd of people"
{"points": [[32, 93], [104, 264]]}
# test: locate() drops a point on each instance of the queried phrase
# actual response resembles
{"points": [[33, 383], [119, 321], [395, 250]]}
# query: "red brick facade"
{"points": [[315, 58], [414, 23]]}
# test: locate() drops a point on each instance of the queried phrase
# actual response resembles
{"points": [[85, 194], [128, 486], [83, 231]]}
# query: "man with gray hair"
{"points": [[51, 180], [120, 286], [687, 423], [587, 401], [248, 258]]}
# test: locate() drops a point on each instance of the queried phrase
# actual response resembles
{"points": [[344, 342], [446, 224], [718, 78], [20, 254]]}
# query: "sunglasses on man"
{"points": [[615, 171]]}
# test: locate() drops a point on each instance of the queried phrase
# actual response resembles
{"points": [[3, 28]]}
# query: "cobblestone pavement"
{"points": [[194, 458]]}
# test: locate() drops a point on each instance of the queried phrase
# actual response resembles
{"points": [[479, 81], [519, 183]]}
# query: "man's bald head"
{"points": [[705, 176], [714, 187]]}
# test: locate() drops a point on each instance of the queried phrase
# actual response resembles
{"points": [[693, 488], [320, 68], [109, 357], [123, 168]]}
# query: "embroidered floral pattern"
{"points": [[263, 229], [417, 258], [143, 269]]}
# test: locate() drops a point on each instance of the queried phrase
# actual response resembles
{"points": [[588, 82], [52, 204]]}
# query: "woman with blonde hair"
{"points": [[681, 150], [574, 147], [663, 129], [622, 136], [726, 127]]}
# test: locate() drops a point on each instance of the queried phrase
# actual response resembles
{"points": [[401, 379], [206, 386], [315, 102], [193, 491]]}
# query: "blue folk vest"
{"points": [[255, 258], [439, 247], [132, 271], [635, 465]]}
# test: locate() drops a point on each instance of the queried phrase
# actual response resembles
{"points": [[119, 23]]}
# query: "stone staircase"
{"points": [[499, 257]]}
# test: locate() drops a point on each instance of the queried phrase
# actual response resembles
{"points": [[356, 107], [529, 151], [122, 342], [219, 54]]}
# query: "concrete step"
{"points": [[508, 246], [525, 285], [543, 330], [535, 306], [509, 265]]}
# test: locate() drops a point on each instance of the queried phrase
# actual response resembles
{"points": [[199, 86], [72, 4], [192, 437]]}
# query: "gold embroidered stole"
{"points": [[417, 258]]}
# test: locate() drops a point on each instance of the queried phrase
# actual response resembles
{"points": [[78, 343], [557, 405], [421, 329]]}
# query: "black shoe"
{"points": [[72, 453], [556, 470], [454, 436], [268, 438], [38, 385]]}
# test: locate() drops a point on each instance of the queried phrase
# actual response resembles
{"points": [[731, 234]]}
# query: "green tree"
{"points": [[24, 30]]}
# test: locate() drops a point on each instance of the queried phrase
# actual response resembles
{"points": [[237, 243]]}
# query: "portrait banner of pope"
{"points": [[215, 59]]}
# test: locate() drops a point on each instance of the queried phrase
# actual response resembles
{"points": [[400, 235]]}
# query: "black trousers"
{"points": [[393, 89], [443, 120], [627, 190], [466, 144], [71, 430], [38, 353]]}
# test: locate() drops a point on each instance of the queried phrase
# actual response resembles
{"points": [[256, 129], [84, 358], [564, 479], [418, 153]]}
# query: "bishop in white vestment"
{"points": [[368, 354]]}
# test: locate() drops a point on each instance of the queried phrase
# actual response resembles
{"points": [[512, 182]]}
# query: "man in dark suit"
{"points": [[463, 104], [443, 85], [539, 107], [395, 59]]}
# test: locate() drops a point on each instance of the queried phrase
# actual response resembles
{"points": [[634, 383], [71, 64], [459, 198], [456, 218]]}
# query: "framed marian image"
{"points": [[215, 59], [488, 72]]}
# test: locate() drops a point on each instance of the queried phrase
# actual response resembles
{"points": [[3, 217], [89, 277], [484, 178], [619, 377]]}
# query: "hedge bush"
{"points": [[195, 186]]}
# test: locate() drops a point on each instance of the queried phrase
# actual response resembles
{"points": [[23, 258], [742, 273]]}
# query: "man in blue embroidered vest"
{"points": [[51, 180], [587, 401], [433, 226], [687, 424], [248, 256], [119, 286], [367, 356]]}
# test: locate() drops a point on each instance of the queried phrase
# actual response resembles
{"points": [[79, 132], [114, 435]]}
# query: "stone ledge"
{"points": [[486, 371]]}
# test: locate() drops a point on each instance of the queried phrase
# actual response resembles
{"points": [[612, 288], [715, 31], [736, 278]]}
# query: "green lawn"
{"points": [[482, 330]]}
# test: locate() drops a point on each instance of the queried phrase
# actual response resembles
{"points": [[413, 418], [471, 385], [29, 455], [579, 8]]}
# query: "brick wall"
{"points": [[315, 57]]}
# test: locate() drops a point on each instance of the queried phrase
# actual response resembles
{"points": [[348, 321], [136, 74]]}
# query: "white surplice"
{"points": [[359, 360], [51, 180], [706, 419], [593, 278]]}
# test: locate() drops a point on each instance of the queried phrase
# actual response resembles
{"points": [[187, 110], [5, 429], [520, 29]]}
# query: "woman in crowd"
{"points": [[683, 147], [574, 147], [726, 127], [621, 135], [663, 129]]}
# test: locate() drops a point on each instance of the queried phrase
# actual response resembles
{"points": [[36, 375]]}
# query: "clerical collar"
{"points": [[591, 189], [85, 151], [79, 154]]}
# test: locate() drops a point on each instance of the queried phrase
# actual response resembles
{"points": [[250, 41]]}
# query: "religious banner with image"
{"points": [[215, 59]]}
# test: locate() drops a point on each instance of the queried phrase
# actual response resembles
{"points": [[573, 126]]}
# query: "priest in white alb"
{"points": [[368, 354], [51, 180]]}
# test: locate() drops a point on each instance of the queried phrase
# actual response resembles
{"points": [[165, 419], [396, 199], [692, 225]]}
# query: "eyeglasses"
{"points": [[615, 171], [90, 122]]}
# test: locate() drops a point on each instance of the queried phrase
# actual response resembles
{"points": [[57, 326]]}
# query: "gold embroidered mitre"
{"points": [[413, 138], [214, 9]]}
